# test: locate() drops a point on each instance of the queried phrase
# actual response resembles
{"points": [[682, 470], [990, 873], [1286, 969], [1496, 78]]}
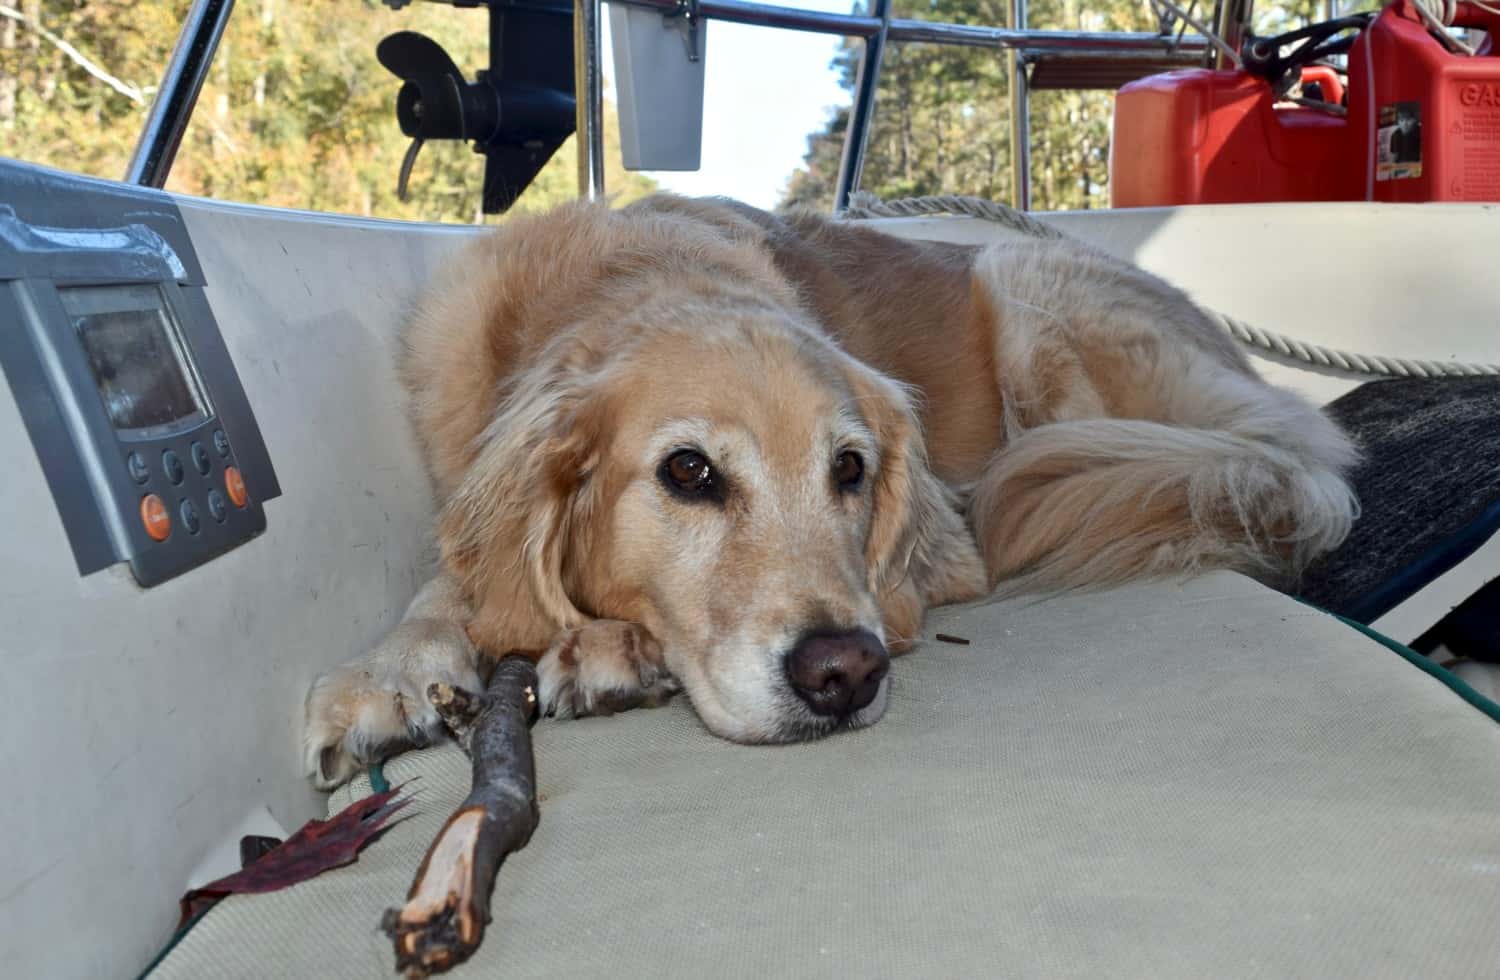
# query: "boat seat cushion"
{"points": [[1176, 779], [1428, 487]]}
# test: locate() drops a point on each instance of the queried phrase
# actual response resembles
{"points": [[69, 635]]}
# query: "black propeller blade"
{"points": [[517, 113]]}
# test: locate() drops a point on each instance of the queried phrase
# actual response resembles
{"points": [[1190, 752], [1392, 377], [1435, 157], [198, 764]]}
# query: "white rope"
{"points": [[863, 204], [1316, 357], [1187, 17], [1437, 14]]}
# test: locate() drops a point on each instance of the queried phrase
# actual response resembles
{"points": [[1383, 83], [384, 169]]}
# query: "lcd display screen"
{"points": [[145, 378]]}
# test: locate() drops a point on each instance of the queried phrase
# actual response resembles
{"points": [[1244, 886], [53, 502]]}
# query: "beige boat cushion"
{"points": [[1203, 779]]}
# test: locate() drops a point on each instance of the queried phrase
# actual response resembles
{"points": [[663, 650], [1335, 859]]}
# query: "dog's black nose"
{"points": [[837, 673]]}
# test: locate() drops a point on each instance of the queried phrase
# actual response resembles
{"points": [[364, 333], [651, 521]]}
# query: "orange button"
{"points": [[154, 515], [234, 485]]}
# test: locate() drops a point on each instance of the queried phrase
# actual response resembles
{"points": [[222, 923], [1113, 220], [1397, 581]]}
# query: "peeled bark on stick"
{"points": [[448, 906]]}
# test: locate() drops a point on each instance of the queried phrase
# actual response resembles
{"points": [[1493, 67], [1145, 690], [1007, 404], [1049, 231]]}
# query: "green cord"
{"points": [[378, 784], [177, 937], [1445, 676]]}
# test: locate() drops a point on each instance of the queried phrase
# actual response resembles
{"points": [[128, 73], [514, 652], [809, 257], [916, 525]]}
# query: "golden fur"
{"points": [[1030, 415]]}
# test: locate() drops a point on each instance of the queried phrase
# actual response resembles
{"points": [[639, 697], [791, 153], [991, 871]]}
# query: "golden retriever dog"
{"points": [[688, 445]]}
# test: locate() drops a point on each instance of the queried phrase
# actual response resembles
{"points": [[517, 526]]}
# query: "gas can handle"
{"points": [[1465, 14]]}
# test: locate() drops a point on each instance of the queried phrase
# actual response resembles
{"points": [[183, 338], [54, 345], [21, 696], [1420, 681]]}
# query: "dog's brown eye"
{"points": [[848, 470], [688, 472]]}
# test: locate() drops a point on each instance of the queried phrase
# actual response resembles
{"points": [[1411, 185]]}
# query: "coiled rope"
{"points": [[865, 205], [1438, 15]]}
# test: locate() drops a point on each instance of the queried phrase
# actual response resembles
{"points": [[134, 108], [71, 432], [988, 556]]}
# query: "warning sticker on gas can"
{"points": [[1398, 141], [1474, 138]]}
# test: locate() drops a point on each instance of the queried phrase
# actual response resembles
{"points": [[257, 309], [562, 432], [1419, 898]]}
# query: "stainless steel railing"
{"points": [[206, 20], [880, 28], [588, 89], [173, 107], [1020, 117]]}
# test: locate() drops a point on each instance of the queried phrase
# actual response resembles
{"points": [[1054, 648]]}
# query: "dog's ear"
{"points": [[505, 528], [919, 551]]}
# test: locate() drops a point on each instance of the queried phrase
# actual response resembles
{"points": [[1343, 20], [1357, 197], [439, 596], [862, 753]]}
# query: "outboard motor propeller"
{"points": [[517, 113]]}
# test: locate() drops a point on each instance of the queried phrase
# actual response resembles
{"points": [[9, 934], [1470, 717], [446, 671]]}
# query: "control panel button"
{"points": [[201, 462], [172, 466], [234, 485], [189, 515], [221, 442], [154, 517], [139, 471], [216, 505]]}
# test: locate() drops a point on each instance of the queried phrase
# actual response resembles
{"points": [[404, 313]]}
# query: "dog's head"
{"points": [[756, 499], [727, 477]]}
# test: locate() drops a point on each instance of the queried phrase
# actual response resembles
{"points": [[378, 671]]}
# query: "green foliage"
{"points": [[942, 114], [296, 111]]}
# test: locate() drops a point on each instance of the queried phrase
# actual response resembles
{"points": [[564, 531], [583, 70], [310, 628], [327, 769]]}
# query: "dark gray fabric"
{"points": [[1429, 490], [1191, 780]]}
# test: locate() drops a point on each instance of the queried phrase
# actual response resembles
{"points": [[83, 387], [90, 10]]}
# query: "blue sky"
{"points": [[765, 91]]}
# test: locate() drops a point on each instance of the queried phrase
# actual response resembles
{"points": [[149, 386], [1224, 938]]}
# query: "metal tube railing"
{"points": [[170, 111], [1020, 117], [588, 91], [857, 136], [204, 26], [875, 31], [770, 15], [970, 35], [1233, 16], [920, 31]]}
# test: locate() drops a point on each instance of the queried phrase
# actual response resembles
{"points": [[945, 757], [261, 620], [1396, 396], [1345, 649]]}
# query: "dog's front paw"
{"points": [[603, 667], [371, 709]]}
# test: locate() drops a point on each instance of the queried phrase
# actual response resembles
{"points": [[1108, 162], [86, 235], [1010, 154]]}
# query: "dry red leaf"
{"points": [[317, 846]]}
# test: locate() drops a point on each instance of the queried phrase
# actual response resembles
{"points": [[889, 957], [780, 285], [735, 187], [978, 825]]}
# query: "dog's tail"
{"points": [[1099, 501]]}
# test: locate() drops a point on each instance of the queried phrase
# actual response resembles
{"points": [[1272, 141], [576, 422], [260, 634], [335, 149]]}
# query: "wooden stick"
{"points": [[448, 905]]}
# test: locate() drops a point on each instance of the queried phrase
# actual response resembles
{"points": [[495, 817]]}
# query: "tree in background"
{"points": [[296, 111], [76, 79], [942, 114]]}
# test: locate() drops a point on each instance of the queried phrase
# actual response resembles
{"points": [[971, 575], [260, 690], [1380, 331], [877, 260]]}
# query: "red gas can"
{"points": [[1423, 124], [1218, 137], [1426, 117]]}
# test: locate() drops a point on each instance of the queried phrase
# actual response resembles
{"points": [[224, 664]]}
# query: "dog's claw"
{"points": [[368, 711]]}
